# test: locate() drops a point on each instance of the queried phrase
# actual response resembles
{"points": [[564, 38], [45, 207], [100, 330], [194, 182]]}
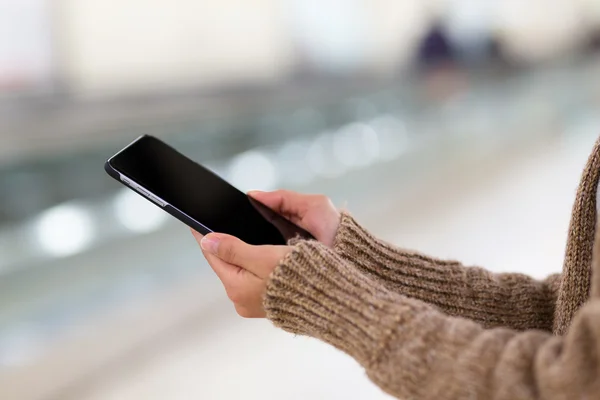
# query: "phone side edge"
{"points": [[111, 171], [187, 220]]}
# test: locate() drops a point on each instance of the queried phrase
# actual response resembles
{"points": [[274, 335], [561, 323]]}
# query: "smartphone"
{"points": [[195, 195]]}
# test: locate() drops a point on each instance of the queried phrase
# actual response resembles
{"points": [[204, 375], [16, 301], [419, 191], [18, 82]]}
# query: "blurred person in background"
{"points": [[425, 328], [437, 62], [436, 49]]}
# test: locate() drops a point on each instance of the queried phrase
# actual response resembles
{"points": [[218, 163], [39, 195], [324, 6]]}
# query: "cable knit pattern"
{"points": [[510, 300], [425, 328]]}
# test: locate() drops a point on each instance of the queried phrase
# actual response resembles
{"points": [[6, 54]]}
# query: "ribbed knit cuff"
{"points": [[352, 241], [400, 269], [314, 292], [513, 300]]}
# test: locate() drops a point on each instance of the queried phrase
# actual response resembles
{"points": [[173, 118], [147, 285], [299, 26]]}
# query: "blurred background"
{"points": [[454, 127]]}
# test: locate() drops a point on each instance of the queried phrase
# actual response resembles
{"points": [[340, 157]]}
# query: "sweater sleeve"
{"points": [[495, 300], [413, 351]]}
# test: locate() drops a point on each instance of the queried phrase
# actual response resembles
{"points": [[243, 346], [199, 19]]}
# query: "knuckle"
{"points": [[237, 293], [322, 199], [234, 296], [234, 293], [322, 202], [243, 311]]}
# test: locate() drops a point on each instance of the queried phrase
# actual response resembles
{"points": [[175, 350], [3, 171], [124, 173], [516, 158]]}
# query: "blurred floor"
{"points": [[524, 205]]}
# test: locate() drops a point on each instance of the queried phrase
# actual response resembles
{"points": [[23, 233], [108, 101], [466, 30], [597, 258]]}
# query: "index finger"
{"points": [[285, 202]]}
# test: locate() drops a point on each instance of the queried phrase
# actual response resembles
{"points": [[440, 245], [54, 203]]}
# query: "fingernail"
{"points": [[254, 192], [210, 243]]}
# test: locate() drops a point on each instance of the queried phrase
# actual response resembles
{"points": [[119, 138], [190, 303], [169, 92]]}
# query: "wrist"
{"points": [[314, 292]]}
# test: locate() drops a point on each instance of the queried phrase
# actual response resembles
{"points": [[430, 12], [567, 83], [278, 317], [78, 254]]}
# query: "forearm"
{"points": [[413, 351], [494, 300]]}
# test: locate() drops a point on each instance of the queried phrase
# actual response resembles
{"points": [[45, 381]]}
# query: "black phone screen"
{"points": [[200, 194]]}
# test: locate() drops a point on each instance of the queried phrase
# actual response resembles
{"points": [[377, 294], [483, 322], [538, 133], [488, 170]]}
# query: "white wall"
{"points": [[394, 30], [540, 29], [125, 46]]}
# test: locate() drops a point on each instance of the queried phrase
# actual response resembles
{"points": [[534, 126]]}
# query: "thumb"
{"points": [[233, 251], [228, 248], [258, 260], [224, 271]]}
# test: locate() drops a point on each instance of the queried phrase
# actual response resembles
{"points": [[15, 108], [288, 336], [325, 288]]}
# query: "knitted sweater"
{"points": [[425, 328]]}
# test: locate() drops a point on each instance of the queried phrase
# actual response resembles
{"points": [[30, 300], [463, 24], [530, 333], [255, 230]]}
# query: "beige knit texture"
{"points": [[425, 328], [577, 268], [494, 300]]}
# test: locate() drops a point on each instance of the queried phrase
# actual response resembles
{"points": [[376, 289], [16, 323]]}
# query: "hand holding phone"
{"points": [[313, 212], [242, 268]]}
